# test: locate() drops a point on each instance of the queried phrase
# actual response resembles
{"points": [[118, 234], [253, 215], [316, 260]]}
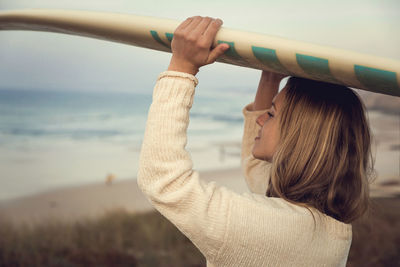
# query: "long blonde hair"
{"points": [[324, 158]]}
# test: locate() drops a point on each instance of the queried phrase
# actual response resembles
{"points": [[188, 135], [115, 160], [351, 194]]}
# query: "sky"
{"points": [[51, 61]]}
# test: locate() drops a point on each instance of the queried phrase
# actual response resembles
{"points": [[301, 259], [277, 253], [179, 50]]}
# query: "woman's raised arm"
{"points": [[267, 88], [198, 209]]}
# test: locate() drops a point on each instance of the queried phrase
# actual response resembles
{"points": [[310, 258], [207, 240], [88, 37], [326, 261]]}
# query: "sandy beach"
{"points": [[91, 200]]}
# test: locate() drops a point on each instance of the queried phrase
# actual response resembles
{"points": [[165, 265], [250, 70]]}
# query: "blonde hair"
{"points": [[324, 158]]}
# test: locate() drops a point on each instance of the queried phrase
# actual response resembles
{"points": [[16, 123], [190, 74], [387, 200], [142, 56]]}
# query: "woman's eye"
{"points": [[270, 114]]}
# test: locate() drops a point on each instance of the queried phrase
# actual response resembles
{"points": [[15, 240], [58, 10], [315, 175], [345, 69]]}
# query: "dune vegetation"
{"points": [[120, 238]]}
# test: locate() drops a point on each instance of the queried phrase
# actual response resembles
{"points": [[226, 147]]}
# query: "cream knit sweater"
{"points": [[230, 229]]}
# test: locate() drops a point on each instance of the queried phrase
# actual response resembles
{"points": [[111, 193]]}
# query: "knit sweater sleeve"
{"points": [[255, 171], [200, 210]]}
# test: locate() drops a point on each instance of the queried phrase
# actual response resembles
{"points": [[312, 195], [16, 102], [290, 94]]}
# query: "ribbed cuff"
{"points": [[172, 73], [248, 110], [175, 87]]}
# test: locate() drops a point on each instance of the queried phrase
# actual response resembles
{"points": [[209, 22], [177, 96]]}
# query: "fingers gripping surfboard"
{"points": [[247, 49]]}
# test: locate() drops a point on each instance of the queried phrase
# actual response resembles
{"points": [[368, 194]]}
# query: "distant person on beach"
{"points": [[110, 178], [305, 156]]}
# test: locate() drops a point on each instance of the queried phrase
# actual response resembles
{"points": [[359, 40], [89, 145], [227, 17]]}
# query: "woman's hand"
{"points": [[267, 88], [191, 44]]}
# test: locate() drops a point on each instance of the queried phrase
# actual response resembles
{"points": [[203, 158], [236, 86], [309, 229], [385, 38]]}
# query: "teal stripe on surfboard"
{"points": [[158, 39], [377, 79], [169, 36], [232, 53], [269, 58], [316, 67]]}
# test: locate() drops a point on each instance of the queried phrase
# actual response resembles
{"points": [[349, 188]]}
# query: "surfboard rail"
{"points": [[247, 49]]}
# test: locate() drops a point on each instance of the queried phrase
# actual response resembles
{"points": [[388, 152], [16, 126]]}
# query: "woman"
{"points": [[308, 158]]}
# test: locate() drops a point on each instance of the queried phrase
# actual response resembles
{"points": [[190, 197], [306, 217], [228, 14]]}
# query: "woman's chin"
{"points": [[261, 157]]}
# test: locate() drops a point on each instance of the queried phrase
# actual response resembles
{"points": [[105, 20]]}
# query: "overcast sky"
{"points": [[50, 61]]}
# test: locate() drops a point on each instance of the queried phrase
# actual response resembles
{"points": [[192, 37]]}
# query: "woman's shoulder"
{"points": [[285, 211]]}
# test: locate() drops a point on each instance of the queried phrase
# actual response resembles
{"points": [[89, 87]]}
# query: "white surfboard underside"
{"points": [[247, 49]]}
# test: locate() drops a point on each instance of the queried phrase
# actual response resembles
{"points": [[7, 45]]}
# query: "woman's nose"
{"points": [[261, 119]]}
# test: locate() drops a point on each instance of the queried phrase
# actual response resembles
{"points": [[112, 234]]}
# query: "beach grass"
{"points": [[121, 238], [376, 237]]}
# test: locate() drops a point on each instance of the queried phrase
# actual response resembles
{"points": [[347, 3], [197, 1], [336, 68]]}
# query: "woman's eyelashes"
{"points": [[270, 114]]}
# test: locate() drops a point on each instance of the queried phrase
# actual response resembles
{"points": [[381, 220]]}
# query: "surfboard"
{"points": [[247, 49]]}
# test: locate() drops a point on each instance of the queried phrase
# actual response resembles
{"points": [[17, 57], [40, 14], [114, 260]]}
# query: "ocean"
{"points": [[51, 139]]}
